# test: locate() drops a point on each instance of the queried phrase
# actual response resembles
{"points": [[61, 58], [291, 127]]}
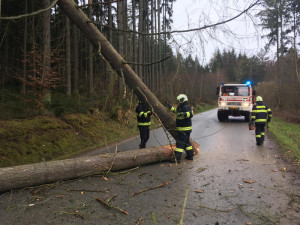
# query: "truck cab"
{"points": [[235, 100]]}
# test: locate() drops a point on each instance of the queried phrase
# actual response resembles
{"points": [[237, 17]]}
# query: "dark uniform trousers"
{"points": [[183, 143], [144, 135], [260, 133]]}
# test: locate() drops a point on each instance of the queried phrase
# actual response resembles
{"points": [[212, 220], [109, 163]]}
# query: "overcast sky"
{"points": [[240, 34]]}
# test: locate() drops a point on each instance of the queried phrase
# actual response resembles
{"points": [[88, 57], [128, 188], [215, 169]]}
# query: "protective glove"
{"points": [[168, 105], [269, 120]]}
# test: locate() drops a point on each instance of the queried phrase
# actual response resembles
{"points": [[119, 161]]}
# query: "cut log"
{"points": [[17, 177]]}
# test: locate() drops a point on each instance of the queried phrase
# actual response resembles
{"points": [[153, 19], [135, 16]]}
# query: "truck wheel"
{"points": [[247, 117], [222, 116]]}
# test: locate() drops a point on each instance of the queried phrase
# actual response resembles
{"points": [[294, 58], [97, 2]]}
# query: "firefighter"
{"points": [[184, 128], [261, 115], [143, 123]]}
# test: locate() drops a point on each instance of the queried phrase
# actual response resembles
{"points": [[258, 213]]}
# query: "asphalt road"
{"points": [[231, 181]]}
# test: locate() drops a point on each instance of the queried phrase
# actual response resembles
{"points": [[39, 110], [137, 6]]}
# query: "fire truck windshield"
{"points": [[235, 91]]}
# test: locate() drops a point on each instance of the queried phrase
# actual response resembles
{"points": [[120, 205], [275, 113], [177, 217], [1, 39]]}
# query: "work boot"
{"points": [[189, 155], [188, 158]]}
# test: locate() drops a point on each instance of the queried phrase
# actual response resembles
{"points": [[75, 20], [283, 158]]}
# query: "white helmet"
{"points": [[182, 98]]}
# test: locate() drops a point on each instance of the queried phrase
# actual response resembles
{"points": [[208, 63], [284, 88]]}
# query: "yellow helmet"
{"points": [[182, 98], [259, 99]]}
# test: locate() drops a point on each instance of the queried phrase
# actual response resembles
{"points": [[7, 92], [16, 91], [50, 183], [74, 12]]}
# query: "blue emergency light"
{"points": [[248, 82]]}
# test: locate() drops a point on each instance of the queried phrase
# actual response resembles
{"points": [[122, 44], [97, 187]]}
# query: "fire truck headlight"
{"points": [[246, 104], [222, 103]]}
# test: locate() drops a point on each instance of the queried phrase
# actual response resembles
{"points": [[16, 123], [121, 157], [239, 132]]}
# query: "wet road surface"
{"points": [[231, 181]]}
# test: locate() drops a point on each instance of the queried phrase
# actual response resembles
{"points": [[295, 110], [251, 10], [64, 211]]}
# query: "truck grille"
{"points": [[234, 103]]}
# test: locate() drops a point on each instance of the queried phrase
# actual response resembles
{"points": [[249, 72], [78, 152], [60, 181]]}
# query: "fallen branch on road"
{"points": [[140, 220], [184, 205], [111, 206], [85, 190], [148, 189]]}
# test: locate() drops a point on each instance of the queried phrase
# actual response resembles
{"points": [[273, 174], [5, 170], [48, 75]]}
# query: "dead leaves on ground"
{"points": [[249, 181]]}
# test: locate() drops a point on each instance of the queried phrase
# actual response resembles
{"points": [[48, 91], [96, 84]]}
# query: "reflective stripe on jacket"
{"points": [[184, 116], [143, 115], [260, 113]]}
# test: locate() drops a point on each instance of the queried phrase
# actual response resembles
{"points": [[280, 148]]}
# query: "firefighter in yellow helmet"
{"points": [[184, 116], [261, 115]]}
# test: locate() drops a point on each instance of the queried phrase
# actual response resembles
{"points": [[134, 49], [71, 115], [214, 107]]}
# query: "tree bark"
{"points": [[119, 64], [75, 61], [47, 50], [42, 173], [152, 47], [25, 50], [91, 65], [140, 40], [134, 53], [110, 19], [68, 58], [121, 43], [160, 80]]}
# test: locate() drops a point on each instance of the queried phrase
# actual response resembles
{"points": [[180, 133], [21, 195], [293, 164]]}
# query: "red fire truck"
{"points": [[235, 100]]}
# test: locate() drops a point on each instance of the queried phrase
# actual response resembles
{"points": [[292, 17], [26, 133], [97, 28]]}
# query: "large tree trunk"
{"points": [[75, 61], [134, 53], [68, 58], [160, 79], [90, 47], [47, 51], [141, 38], [42, 173], [121, 43]]}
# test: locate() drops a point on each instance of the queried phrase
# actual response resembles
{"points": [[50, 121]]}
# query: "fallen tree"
{"points": [[92, 33], [17, 177], [35, 174]]}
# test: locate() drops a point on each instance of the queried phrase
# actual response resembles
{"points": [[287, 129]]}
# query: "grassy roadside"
{"points": [[46, 138], [287, 135]]}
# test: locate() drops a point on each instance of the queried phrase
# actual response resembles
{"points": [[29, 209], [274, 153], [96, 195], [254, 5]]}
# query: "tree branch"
{"points": [[180, 31], [29, 14], [148, 64], [100, 3]]}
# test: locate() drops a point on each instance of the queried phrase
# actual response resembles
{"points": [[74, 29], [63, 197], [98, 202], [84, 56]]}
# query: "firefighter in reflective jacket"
{"points": [[184, 128], [261, 115], [143, 122]]}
